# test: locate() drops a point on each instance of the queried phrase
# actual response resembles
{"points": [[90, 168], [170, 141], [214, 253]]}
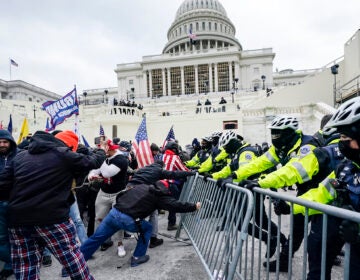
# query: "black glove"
{"points": [[191, 173], [349, 231], [221, 182], [233, 175], [207, 176], [249, 184], [281, 207]]}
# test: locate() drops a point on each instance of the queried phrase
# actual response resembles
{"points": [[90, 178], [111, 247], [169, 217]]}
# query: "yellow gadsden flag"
{"points": [[24, 131]]}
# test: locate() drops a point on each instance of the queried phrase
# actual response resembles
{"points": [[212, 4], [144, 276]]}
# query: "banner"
{"points": [[24, 131], [61, 109]]}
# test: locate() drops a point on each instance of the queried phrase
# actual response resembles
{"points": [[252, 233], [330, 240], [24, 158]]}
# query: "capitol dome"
{"points": [[207, 21]]}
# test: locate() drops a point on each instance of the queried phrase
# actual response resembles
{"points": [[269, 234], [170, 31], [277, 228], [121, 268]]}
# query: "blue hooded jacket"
{"points": [[6, 158]]}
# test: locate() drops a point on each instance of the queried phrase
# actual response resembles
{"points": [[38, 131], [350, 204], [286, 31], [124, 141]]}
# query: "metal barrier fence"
{"points": [[231, 231], [219, 229]]}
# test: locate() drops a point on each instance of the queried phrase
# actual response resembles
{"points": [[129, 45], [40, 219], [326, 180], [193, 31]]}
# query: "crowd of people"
{"points": [[50, 181]]}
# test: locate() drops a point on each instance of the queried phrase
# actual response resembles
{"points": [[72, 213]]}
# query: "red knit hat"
{"points": [[69, 138], [112, 146]]}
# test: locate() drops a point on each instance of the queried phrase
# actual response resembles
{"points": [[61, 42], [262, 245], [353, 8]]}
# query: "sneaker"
{"points": [[106, 245], [135, 261], [172, 227], [46, 261], [154, 242], [64, 273], [5, 273], [128, 236], [121, 251]]}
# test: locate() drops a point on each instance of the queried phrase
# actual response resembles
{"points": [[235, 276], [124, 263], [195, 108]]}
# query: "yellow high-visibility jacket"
{"points": [[243, 157], [271, 158]]}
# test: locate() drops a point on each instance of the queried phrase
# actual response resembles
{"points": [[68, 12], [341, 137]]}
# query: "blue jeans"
{"points": [[113, 222], [79, 224], [5, 254]]}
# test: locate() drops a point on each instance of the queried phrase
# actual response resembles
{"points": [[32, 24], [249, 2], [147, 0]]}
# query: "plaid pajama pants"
{"points": [[28, 243]]}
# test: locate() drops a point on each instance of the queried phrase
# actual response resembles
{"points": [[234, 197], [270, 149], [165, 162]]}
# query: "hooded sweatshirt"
{"points": [[6, 158], [40, 180]]}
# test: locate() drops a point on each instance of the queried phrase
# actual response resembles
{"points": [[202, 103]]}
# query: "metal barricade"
{"points": [[297, 259], [218, 231], [235, 226]]}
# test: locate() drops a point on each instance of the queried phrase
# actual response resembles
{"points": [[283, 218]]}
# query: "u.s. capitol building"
{"points": [[202, 60]]}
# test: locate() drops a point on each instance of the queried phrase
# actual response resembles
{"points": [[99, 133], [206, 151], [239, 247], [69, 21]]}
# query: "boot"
{"points": [[272, 248], [154, 242], [283, 261]]}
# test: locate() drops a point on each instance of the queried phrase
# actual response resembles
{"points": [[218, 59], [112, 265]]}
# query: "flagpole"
{"points": [[10, 67]]}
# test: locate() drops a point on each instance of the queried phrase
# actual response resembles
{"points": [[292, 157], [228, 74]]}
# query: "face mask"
{"points": [[232, 147], [348, 152], [283, 141]]}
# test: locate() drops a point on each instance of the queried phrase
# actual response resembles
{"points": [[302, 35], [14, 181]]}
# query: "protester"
{"points": [[40, 202], [8, 151], [142, 196], [172, 163], [113, 174]]}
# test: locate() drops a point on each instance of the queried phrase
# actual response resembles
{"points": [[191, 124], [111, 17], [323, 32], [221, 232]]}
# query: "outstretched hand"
{"points": [[249, 184], [221, 182]]}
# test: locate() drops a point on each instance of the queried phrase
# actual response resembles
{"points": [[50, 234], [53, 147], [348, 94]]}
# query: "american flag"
{"points": [[142, 147], [102, 132], [12, 62], [169, 137], [192, 37]]}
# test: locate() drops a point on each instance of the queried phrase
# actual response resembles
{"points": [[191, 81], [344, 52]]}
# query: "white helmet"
{"points": [[327, 130], [216, 134], [348, 113], [283, 122], [226, 137]]}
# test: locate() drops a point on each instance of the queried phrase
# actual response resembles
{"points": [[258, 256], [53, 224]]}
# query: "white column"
{"points": [[230, 76], [210, 78], [144, 90], [216, 78], [237, 70], [196, 80], [169, 82], [151, 85], [182, 80], [163, 81]]}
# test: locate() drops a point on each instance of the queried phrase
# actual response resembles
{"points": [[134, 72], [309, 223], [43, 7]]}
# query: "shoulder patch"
{"points": [[248, 156], [304, 150]]}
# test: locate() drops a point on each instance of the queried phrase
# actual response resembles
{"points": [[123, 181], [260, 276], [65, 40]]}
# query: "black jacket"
{"points": [[154, 172], [145, 194], [141, 200], [40, 180]]}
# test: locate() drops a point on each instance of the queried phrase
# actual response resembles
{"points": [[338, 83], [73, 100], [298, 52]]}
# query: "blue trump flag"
{"points": [[10, 125], [61, 109], [85, 142]]}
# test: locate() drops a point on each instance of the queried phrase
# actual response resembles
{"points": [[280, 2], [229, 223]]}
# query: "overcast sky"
{"points": [[61, 43]]}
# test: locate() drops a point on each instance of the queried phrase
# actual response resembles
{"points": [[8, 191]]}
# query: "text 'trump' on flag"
{"points": [[142, 147]]}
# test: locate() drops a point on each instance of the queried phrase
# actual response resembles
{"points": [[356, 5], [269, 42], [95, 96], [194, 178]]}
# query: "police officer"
{"points": [[288, 143], [142, 196], [202, 155], [344, 192]]}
